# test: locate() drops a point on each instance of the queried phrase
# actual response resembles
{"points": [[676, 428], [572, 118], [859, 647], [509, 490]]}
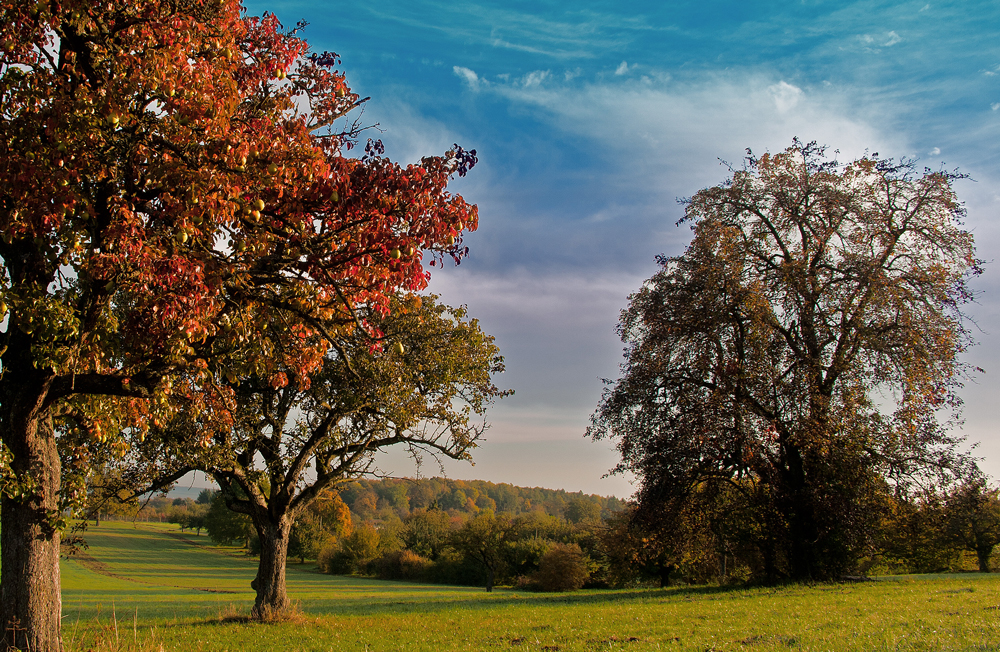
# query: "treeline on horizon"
{"points": [[475, 532]]}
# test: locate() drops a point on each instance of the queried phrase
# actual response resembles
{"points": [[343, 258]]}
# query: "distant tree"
{"points": [[227, 527], [427, 532], [914, 534], [808, 339], [487, 538], [562, 568], [195, 521], [325, 520], [973, 519], [359, 549], [583, 510], [205, 496]]}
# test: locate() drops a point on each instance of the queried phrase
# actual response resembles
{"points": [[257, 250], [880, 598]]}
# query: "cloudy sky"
{"points": [[592, 117]]}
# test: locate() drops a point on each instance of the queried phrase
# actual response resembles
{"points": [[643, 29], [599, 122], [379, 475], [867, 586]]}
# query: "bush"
{"points": [[402, 565], [353, 554], [327, 556], [562, 568]]}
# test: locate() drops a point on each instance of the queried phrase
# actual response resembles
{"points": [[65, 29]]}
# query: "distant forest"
{"points": [[380, 499], [389, 499]]}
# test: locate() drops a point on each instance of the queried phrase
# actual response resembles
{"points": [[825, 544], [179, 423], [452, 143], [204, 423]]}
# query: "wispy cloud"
{"points": [[578, 34], [786, 96], [884, 40], [622, 68], [535, 78], [468, 76]]}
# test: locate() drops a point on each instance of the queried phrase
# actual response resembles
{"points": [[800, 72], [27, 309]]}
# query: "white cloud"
{"points": [[535, 78], [884, 40], [665, 131], [995, 106], [622, 68], [469, 76], [786, 96], [934, 152]]}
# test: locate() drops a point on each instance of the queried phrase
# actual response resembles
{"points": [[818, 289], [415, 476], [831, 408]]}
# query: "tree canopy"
{"points": [[803, 351]]}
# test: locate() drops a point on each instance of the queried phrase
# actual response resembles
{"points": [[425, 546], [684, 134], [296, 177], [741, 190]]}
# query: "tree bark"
{"points": [[272, 593], [30, 599]]}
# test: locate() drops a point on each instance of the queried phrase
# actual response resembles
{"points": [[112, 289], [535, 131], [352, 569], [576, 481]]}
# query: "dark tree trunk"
{"points": [[983, 555], [798, 510], [491, 575], [30, 599], [272, 592], [664, 573]]}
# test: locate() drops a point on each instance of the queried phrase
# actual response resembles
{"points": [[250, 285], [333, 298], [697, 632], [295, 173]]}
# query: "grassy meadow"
{"points": [[150, 587]]}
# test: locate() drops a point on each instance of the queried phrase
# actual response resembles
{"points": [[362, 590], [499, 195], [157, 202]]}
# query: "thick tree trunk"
{"points": [[30, 599], [272, 594], [491, 576], [801, 521]]}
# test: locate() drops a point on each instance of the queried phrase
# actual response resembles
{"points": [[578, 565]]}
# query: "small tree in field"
{"points": [[487, 538], [562, 568], [170, 172], [807, 341], [973, 519], [426, 390]]}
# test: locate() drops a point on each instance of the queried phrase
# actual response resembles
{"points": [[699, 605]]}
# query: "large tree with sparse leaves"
{"points": [[804, 349]]}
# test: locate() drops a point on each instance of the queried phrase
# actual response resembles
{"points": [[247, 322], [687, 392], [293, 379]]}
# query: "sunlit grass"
{"points": [[184, 597]]}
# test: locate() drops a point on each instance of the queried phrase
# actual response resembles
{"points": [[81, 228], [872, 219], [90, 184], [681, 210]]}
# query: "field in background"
{"points": [[148, 586]]}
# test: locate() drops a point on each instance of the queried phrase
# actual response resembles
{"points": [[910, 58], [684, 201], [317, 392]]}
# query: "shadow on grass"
{"points": [[388, 604]]}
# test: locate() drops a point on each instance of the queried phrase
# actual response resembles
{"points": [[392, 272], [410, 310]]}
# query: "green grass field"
{"points": [[150, 587]]}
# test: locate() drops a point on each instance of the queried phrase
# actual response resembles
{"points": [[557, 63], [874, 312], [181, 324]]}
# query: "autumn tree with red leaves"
{"points": [[169, 171]]}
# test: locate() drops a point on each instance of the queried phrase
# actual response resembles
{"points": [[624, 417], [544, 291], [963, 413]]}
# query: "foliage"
{"points": [[354, 552], [805, 344], [973, 519], [402, 565], [562, 568], [227, 527], [581, 509], [487, 538], [368, 498], [325, 520], [427, 532]]}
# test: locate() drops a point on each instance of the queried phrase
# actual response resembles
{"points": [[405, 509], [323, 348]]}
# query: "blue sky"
{"points": [[592, 118]]}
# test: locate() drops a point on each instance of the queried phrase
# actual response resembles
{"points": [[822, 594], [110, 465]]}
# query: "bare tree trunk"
{"points": [[30, 599], [272, 593]]}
